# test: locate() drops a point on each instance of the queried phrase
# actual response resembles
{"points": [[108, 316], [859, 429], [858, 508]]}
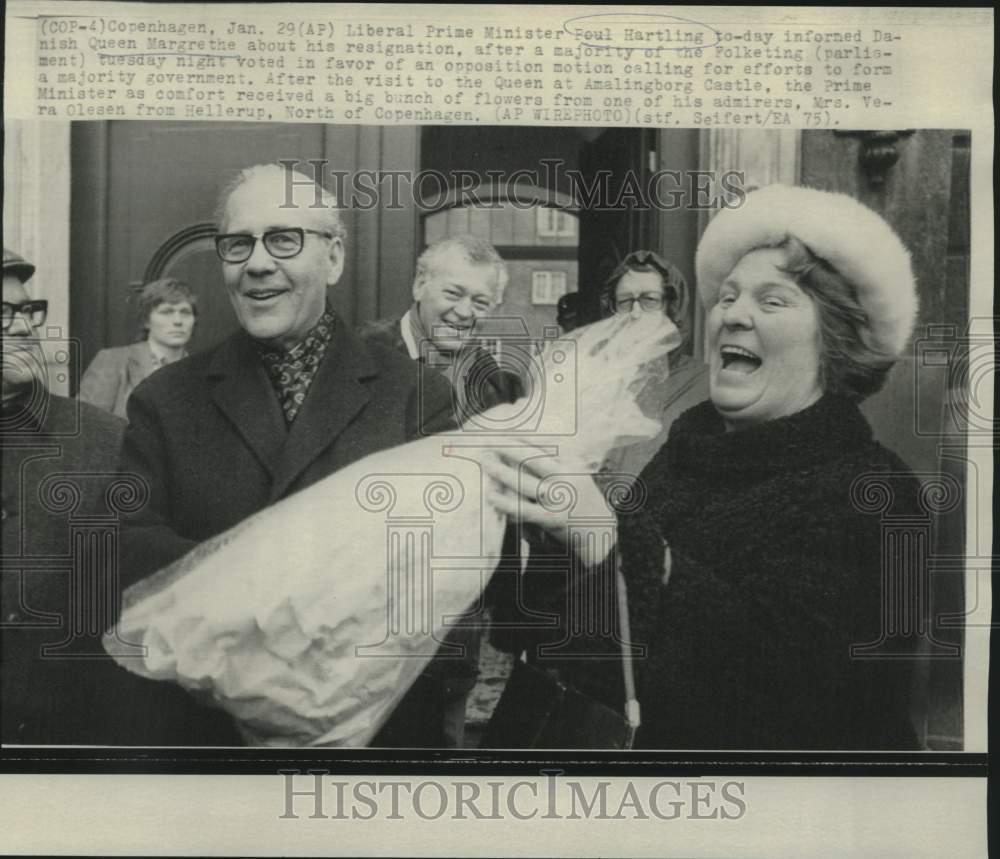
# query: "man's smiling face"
{"points": [[452, 296], [280, 300]]}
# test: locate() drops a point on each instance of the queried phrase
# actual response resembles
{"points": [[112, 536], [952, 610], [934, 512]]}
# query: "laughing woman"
{"points": [[752, 567]]}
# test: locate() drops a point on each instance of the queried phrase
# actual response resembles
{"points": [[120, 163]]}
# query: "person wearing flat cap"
{"points": [[55, 450], [752, 568]]}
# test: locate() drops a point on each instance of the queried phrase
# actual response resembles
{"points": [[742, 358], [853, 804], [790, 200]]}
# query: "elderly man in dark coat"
{"points": [[61, 502], [286, 401]]}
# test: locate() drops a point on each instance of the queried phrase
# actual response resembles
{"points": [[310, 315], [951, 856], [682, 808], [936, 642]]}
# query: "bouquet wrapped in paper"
{"points": [[310, 620]]}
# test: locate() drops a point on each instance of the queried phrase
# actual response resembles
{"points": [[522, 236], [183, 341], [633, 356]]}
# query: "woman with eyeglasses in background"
{"points": [[167, 312], [645, 282]]}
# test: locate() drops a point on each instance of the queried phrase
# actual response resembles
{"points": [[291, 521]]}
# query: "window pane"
{"points": [[547, 286]]}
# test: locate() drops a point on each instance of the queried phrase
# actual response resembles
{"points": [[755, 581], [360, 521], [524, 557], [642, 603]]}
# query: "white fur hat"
{"points": [[849, 236]]}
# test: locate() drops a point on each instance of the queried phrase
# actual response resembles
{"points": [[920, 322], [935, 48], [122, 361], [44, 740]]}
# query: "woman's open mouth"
{"points": [[739, 360]]}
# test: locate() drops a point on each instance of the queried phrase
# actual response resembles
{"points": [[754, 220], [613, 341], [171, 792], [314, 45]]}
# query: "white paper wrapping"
{"points": [[310, 620]]}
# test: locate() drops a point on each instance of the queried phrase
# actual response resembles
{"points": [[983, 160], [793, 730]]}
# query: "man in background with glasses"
{"points": [[60, 461], [287, 400], [23, 359]]}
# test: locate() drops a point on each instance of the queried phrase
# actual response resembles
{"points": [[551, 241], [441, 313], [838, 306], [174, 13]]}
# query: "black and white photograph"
{"points": [[496, 430], [500, 438]]}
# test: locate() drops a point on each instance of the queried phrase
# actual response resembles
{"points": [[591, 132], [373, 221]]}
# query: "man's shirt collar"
{"points": [[157, 357], [408, 326]]}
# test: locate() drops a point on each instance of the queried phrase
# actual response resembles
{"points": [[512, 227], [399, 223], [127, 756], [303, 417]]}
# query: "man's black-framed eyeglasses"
{"points": [[281, 244], [35, 312], [647, 301]]}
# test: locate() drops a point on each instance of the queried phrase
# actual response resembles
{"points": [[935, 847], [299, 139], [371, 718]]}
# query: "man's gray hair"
{"points": [[294, 180], [473, 250]]}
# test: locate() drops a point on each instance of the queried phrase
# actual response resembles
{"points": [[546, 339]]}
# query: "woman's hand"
{"points": [[539, 489]]}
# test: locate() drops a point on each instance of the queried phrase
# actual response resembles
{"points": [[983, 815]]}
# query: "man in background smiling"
{"points": [[458, 283]]}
